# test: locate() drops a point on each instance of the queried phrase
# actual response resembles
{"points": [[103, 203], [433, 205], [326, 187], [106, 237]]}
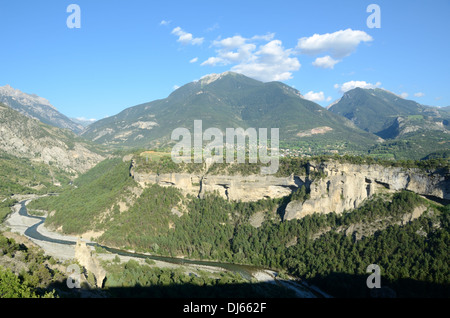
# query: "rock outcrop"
{"points": [[236, 188], [248, 188], [25, 137], [37, 107], [346, 186], [342, 186], [85, 257]]}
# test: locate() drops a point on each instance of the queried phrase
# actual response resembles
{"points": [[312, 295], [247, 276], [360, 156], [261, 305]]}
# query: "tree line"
{"points": [[216, 229]]}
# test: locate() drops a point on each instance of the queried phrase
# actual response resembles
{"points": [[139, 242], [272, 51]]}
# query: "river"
{"points": [[32, 232], [32, 227]]}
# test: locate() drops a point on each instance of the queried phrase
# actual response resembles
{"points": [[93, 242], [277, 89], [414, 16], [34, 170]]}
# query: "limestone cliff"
{"points": [[236, 188], [85, 257], [342, 186], [346, 186]]}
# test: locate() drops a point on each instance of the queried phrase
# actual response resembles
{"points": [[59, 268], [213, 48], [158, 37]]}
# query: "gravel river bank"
{"points": [[62, 247]]}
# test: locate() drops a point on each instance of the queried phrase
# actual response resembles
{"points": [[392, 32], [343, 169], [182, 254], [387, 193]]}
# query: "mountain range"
{"points": [[29, 138], [229, 100], [37, 107], [363, 121], [387, 115], [339, 211]]}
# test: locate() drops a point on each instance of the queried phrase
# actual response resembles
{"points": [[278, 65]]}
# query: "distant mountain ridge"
{"points": [[83, 121], [37, 107], [385, 114], [362, 121], [227, 100], [25, 137], [410, 130]]}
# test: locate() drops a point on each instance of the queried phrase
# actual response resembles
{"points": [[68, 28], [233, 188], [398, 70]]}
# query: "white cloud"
{"points": [[404, 95], [266, 37], [185, 37], [213, 61], [164, 22], [353, 84], [231, 50], [85, 119], [268, 62], [325, 62], [230, 43], [315, 97], [419, 94], [243, 53], [339, 44], [263, 57], [175, 87]]}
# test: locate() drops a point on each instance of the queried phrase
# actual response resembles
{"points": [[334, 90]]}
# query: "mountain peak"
{"points": [[333, 103], [372, 90], [35, 106], [376, 110], [224, 100], [209, 78], [24, 98]]}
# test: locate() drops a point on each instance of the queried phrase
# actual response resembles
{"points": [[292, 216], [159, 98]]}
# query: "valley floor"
{"points": [[18, 223]]}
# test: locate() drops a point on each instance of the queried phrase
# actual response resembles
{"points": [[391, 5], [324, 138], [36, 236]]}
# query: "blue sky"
{"points": [[130, 52]]}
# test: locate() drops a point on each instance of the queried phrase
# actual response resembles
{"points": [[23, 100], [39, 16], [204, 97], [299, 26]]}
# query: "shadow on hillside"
{"points": [[258, 290], [342, 285], [338, 285], [175, 290], [281, 210]]}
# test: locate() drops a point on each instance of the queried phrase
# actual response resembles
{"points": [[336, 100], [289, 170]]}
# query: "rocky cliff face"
{"points": [[24, 137], [86, 258], [236, 188], [342, 186], [346, 186], [37, 107]]}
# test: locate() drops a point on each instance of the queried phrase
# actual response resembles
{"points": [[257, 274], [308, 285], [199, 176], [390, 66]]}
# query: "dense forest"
{"points": [[92, 194], [413, 256], [32, 280], [5, 208], [24, 176], [132, 279]]}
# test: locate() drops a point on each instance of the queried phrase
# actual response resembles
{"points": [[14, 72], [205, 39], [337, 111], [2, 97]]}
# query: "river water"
{"points": [[30, 228], [245, 271]]}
